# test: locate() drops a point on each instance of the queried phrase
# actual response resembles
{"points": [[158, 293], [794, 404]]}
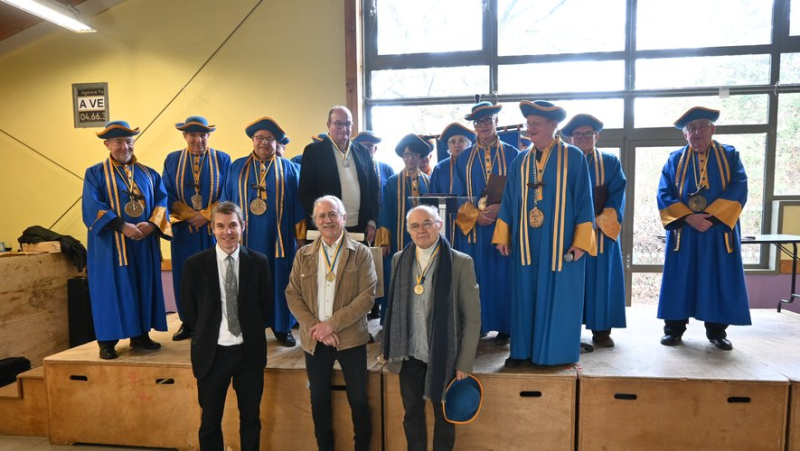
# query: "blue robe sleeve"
{"points": [[97, 211], [609, 221], [670, 206], [728, 206]]}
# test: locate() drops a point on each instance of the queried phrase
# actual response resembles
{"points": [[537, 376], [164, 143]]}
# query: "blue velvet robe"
{"points": [[442, 183], [124, 275], [178, 181], [491, 268], [703, 271], [546, 291], [604, 305], [274, 232], [392, 222], [383, 171]]}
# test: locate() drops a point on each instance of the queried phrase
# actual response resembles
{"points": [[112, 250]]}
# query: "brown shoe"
{"points": [[603, 339]]}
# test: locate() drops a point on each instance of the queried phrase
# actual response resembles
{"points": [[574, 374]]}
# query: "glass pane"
{"points": [[790, 66], [422, 26], [752, 149], [393, 122], [432, 82], [664, 111], [645, 288], [610, 111], [794, 18], [787, 154], [648, 246], [574, 76], [702, 71], [558, 26], [680, 24]]}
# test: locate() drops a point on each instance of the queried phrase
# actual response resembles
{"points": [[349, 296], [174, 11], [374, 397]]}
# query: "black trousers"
{"points": [[319, 368], [678, 327], [248, 381], [412, 390]]}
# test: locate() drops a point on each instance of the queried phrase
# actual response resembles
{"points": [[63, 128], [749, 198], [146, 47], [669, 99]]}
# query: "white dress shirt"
{"points": [[226, 338], [326, 290]]}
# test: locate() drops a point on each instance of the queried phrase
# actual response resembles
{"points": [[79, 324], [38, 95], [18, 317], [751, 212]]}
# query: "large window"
{"points": [[635, 64]]}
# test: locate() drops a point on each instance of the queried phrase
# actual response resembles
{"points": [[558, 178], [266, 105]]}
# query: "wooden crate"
{"points": [[526, 408], [658, 414], [33, 305], [642, 395], [52, 247], [23, 405], [794, 419], [149, 398]]}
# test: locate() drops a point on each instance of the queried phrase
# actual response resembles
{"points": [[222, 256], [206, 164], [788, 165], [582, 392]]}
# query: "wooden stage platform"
{"points": [[638, 395]]}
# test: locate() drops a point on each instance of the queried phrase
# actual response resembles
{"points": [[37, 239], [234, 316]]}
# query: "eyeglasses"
{"points": [[331, 215], [483, 121], [261, 139], [416, 227], [696, 128], [411, 155], [338, 124], [582, 134]]}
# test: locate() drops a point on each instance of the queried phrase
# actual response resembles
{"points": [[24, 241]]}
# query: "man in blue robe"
{"points": [[264, 186], [193, 178], [488, 157], [392, 234], [604, 304], [125, 210], [546, 225], [456, 138], [701, 194], [383, 171]]}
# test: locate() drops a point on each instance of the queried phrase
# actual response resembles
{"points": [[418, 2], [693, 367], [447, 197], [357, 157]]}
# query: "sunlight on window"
{"points": [[610, 111], [558, 26], [677, 24], [787, 149], [572, 76], [422, 26], [431, 82], [738, 70], [734, 110], [790, 67]]}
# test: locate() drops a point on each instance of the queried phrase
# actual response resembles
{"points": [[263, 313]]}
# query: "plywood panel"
{"points": [[794, 419], [24, 410], [653, 414], [33, 305]]}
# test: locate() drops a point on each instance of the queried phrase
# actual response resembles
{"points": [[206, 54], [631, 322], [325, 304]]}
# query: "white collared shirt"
{"points": [[351, 188], [226, 338], [326, 290]]}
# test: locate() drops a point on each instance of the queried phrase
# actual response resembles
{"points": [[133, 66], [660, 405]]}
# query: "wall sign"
{"points": [[90, 104]]}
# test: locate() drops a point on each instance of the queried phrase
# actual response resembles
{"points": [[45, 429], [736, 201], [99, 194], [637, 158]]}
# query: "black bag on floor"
{"points": [[10, 367]]}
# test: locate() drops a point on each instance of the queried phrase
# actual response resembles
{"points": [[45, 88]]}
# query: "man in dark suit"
{"points": [[226, 296], [353, 181]]}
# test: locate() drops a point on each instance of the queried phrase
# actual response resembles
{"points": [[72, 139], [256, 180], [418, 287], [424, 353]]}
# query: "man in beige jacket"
{"points": [[331, 289]]}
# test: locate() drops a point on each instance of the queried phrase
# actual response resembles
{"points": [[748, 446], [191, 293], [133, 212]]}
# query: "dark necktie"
{"points": [[231, 299]]}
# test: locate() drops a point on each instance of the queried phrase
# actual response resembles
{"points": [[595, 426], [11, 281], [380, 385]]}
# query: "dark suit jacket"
{"points": [[201, 306], [319, 177]]}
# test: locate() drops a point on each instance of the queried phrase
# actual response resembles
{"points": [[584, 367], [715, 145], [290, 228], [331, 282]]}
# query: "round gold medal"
{"points": [[697, 203], [536, 218], [483, 203], [197, 202], [134, 209], [419, 289], [258, 207], [330, 276]]}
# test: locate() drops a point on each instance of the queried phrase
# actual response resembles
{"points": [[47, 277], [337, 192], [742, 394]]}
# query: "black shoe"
{"points": [[108, 353], [183, 333], [144, 342], [371, 339], [513, 363], [286, 339], [586, 347], [603, 340], [721, 343], [671, 340], [501, 338], [375, 313]]}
